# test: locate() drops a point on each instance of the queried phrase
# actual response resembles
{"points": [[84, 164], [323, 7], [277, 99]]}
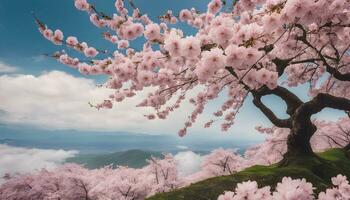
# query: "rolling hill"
{"points": [[317, 171]]}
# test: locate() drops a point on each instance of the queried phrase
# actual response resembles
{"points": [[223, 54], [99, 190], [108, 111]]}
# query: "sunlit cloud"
{"points": [[188, 162], [25, 160], [57, 100]]}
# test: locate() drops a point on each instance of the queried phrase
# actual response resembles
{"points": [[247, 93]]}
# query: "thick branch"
{"points": [[322, 101], [282, 123], [292, 101]]}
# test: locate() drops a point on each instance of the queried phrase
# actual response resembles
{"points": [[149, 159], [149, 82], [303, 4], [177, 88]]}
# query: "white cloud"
{"points": [[23, 160], [188, 163], [5, 68], [57, 100]]}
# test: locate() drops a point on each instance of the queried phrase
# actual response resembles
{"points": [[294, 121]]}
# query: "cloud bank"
{"points": [[188, 163], [57, 100], [24, 160]]}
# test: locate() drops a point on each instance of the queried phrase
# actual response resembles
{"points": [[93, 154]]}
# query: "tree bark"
{"points": [[302, 129], [347, 147]]}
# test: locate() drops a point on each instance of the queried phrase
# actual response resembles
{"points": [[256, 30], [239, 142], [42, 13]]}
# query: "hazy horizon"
{"points": [[107, 142]]}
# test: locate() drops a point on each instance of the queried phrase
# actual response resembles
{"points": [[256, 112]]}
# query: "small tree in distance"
{"points": [[254, 47]]}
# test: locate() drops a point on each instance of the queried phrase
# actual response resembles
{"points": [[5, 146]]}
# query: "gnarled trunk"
{"points": [[298, 142], [302, 129]]}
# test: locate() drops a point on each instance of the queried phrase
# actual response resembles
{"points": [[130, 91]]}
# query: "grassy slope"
{"points": [[316, 171]]}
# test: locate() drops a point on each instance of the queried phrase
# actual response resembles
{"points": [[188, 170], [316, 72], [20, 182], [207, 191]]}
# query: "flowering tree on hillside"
{"points": [[163, 173], [334, 134], [222, 162], [255, 47], [74, 182]]}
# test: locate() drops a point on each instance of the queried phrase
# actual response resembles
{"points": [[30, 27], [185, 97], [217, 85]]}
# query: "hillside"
{"points": [[131, 158], [316, 171]]}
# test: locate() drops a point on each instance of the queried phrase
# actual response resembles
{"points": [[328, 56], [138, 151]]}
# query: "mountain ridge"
{"points": [[134, 158]]}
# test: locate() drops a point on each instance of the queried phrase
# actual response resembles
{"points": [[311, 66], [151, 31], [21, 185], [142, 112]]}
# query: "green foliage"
{"points": [[317, 170]]}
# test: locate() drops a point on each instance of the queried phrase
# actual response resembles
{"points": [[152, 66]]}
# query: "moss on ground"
{"points": [[318, 171]]}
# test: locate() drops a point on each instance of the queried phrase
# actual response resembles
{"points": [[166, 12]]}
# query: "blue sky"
{"points": [[21, 45], [32, 102]]}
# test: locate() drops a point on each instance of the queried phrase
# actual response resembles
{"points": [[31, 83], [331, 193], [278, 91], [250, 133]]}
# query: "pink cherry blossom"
{"points": [[214, 6], [122, 44], [185, 15], [90, 52], [145, 77], [212, 61], [57, 37], [152, 32], [235, 56], [71, 40], [48, 34], [173, 45], [81, 4]]}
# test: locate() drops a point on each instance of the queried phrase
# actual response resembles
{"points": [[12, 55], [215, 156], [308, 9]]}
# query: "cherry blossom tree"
{"points": [[333, 134], [74, 182], [222, 162], [122, 183], [67, 182], [252, 47], [163, 173], [219, 162], [271, 150]]}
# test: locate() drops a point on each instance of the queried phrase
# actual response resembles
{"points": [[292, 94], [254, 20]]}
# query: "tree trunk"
{"points": [[298, 141], [347, 147]]}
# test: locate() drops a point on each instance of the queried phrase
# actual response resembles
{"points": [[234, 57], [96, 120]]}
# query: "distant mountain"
{"points": [[94, 142], [131, 158]]}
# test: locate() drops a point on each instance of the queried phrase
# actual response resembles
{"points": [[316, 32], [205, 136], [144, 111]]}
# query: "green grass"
{"points": [[318, 171]]}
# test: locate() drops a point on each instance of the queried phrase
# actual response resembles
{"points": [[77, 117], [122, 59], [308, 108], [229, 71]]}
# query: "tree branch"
{"points": [[322, 101], [282, 123], [333, 71], [292, 101]]}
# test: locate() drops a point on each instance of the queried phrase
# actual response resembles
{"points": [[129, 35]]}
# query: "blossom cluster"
{"points": [[72, 182], [289, 189]]}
